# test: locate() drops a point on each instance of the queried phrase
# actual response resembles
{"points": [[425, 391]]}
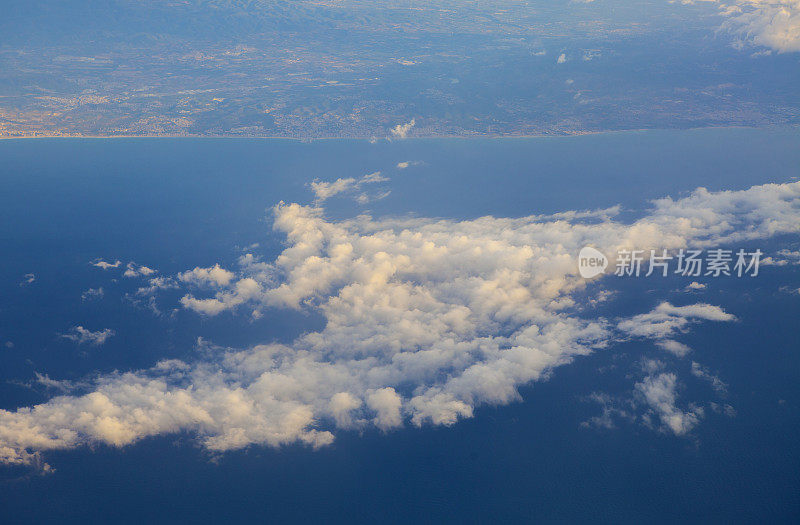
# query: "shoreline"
{"points": [[393, 139]]}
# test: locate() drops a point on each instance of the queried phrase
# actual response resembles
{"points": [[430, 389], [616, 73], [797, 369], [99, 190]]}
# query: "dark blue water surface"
{"points": [[173, 204]]}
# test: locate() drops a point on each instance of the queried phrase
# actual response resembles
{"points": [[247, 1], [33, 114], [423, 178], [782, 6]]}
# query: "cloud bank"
{"points": [[425, 320], [774, 24]]}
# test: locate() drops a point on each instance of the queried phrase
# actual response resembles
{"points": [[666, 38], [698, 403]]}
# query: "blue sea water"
{"points": [[173, 204]]}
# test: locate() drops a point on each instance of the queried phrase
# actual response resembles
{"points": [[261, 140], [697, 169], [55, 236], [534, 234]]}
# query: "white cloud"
{"points": [[425, 319], [134, 270], [61, 385], [774, 24], [666, 320], [81, 335], [92, 293], [654, 402], [676, 348], [155, 284], [660, 394], [728, 410], [215, 276], [243, 290], [694, 285], [387, 404], [651, 366], [27, 279], [783, 258], [611, 410], [561, 58], [342, 406], [702, 372], [372, 178], [400, 131], [325, 190], [106, 265]]}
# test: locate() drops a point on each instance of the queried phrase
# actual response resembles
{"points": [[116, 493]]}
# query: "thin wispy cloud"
{"points": [[407, 164], [155, 284], [92, 293], [81, 335], [660, 394], [324, 190]]}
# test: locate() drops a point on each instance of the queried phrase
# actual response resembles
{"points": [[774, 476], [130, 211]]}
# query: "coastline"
{"points": [[784, 127]]}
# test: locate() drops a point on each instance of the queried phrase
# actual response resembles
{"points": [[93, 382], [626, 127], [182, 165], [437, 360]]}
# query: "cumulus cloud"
{"points": [[774, 24], [215, 275], [783, 258], [770, 24], [342, 406], [81, 335], [99, 263], [425, 319], [134, 270], [242, 291], [400, 131], [387, 404], [561, 58]]}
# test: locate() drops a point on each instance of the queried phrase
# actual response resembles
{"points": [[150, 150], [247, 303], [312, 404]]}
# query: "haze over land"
{"points": [[310, 69]]}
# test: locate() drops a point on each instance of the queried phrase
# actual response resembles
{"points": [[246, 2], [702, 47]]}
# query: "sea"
{"points": [[175, 203]]}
